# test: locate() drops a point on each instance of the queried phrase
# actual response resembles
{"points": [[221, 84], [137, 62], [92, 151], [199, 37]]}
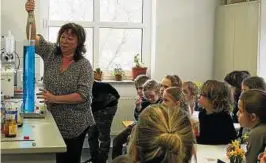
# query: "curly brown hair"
{"points": [[219, 95]]}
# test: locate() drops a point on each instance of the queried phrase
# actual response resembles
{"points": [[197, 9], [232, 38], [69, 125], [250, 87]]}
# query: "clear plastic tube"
{"points": [[29, 77]]}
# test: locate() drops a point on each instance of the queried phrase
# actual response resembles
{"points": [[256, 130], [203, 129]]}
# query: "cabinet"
{"points": [[236, 38]]}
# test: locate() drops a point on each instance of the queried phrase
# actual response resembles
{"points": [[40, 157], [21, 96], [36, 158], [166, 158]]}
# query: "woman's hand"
{"points": [[30, 5], [46, 96]]}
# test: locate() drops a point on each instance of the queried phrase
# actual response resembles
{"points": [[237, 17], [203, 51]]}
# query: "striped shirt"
{"points": [[71, 119]]}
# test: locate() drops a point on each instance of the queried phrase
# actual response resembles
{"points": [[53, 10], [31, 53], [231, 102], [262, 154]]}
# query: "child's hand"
{"points": [[262, 157], [138, 103], [195, 126]]}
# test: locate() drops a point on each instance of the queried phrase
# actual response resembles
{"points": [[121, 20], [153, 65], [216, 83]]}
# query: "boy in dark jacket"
{"points": [[151, 91], [104, 105], [122, 137]]}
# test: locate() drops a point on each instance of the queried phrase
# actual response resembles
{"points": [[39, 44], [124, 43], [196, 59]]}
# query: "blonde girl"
{"points": [[162, 135], [173, 96], [191, 92], [170, 81]]}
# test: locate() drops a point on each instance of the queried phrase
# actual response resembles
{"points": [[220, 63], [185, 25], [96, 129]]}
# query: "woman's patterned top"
{"points": [[71, 119]]}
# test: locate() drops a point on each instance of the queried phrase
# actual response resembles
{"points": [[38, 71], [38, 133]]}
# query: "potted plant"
{"points": [[138, 69], [98, 74], [118, 73]]}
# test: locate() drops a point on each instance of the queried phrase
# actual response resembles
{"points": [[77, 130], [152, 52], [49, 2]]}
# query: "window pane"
{"points": [[53, 31], [118, 46], [121, 10], [71, 10]]}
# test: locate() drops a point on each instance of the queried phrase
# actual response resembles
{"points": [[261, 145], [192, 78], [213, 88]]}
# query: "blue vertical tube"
{"points": [[29, 77]]}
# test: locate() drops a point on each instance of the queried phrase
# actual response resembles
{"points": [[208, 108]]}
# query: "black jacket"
{"points": [[216, 128], [143, 104], [103, 95]]}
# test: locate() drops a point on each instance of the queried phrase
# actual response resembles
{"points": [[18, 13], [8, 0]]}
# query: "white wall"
{"points": [[184, 39], [262, 44], [14, 17], [236, 39]]}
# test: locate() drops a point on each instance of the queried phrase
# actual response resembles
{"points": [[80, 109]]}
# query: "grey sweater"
{"points": [[71, 119], [256, 143]]}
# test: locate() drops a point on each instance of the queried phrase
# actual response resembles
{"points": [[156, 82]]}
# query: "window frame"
{"points": [[96, 25]]}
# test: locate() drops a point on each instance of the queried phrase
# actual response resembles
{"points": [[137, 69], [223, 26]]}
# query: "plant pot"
{"points": [[118, 77], [98, 76], [138, 71]]}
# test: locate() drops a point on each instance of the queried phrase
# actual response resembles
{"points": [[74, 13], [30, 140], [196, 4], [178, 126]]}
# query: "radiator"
{"points": [[125, 111]]}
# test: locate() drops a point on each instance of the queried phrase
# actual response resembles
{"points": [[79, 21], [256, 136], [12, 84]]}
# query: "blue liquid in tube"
{"points": [[29, 78]]}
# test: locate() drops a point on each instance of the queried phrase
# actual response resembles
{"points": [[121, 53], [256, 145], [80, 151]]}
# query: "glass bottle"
{"points": [[10, 125]]}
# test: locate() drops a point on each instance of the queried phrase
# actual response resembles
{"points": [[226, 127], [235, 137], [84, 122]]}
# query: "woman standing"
{"points": [[68, 81]]}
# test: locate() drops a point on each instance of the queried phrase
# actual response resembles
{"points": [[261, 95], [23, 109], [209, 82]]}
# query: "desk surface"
{"points": [[210, 153], [127, 123], [44, 134]]}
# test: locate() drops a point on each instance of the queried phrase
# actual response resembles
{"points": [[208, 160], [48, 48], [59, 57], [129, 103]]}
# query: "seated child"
{"points": [[163, 135], [191, 90], [252, 115], [173, 96], [104, 105], [151, 92], [170, 81], [234, 79], [216, 124], [253, 82]]}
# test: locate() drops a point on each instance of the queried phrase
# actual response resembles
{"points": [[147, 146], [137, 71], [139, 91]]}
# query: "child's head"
{"points": [[162, 135], [173, 96], [234, 79], [215, 96], [252, 108], [139, 81], [151, 90], [253, 82], [191, 91], [170, 81]]}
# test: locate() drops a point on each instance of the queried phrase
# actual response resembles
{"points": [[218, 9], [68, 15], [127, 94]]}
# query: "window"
{"points": [[116, 29]]}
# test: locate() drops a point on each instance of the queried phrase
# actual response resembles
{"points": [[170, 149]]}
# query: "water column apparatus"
{"points": [[29, 71]]}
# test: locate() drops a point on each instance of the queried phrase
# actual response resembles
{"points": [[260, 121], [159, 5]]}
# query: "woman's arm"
{"points": [[31, 25], [48, 97]]}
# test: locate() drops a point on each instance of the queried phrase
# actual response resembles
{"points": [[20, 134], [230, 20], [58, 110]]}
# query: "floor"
{"points": [[86, 155], [86, 152]]}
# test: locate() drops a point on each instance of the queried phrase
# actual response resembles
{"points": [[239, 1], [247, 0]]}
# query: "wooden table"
{"points": [[127, 123]]}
